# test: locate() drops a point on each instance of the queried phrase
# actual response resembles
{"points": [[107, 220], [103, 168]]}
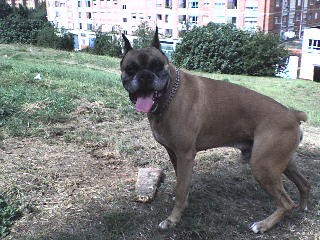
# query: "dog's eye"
{"points": [[130, 70], [156, 65]]}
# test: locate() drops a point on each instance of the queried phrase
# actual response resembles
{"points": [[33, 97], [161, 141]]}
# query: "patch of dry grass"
{"points": [[84, 189]]}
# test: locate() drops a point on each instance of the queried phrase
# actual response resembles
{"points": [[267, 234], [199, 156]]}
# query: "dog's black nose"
{"points": [[144, 76]]}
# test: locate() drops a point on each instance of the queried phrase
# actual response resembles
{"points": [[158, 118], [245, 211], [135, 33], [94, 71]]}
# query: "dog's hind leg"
{"points": [[269, 160], [300, 181]]}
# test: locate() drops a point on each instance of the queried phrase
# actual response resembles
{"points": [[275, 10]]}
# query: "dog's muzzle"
{"points": [[146, 88]]}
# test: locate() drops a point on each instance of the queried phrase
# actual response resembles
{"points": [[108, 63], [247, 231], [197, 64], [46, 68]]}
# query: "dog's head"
{"points": [[145, 74]]}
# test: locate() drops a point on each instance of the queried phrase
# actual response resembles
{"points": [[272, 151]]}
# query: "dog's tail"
{"points": [[300, 116]]}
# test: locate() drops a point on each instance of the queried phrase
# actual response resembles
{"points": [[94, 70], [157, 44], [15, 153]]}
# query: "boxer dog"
{"points": [[189, 113]]}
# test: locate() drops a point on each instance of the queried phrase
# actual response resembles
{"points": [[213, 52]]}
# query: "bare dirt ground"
{"points": [[77, 182]]}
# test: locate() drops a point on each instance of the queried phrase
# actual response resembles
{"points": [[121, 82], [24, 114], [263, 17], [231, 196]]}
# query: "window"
{"points": [[182, 3], [159, 17], [88, 4], [232, 4], [89, 26], [314, 44], [168, 4], [57, 14], [298, 3], [80, 25], [233, 20], [124, 6], [88, 15], [206, 2], [277, 3], [168, 32], [194, 19], [182, 19], [124, 20], [250, 21], [79, 4], [284, 19], [79, 14], [252, 6], [298, 16], [219, 5], [166, 18], [194, 4], [159, 3]]}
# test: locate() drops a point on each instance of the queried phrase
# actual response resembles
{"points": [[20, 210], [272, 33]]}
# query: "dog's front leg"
{"points": [[184, 174]]}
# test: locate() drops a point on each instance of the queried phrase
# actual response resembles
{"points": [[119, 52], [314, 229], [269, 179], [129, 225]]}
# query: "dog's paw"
{"points": [[258, 227], [166, 224]]}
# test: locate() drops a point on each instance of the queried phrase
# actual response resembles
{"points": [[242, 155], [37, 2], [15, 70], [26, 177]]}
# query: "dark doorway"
{"points": [[316, 74]]}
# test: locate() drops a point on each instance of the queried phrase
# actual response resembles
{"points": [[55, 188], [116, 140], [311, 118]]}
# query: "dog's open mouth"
{"points": [[146, 103]]}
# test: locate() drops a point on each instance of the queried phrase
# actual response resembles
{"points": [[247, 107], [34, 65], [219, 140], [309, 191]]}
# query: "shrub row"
{"points": [[224, 48]]}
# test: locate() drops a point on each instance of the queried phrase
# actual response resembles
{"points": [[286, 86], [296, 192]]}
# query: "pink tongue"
{"points": [[144, 104]]}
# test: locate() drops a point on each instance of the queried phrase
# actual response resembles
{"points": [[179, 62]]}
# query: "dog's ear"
{"points": [[127, 44], [155, 42]]}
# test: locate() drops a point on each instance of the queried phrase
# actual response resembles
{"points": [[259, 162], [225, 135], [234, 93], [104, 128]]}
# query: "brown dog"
{"points": [[188, 113]]}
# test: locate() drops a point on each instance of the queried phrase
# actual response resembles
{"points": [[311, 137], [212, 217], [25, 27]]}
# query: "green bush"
{"points": [[107, 44], [224, 48], [66, 42], [48, 38], [8, 214]]}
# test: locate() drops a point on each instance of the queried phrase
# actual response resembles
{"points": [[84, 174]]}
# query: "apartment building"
{"points": [[26, 3], [310, 57], [82, 17]]}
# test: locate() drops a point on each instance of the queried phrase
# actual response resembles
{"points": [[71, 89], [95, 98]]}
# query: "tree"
{"points": [[5, 9], [144, 35], [31, 26]]}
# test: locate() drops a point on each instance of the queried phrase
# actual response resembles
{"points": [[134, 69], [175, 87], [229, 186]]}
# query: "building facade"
{"points": [[26, 3], [310, 57], [288, 17]]}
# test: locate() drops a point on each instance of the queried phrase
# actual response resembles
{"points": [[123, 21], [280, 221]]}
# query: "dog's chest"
{"points": [[160, 133], [160, 137]]}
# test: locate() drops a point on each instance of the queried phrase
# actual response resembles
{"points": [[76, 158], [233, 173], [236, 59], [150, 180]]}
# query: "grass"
{"points": [[8, 214], [72, 143], [28, 105]]}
